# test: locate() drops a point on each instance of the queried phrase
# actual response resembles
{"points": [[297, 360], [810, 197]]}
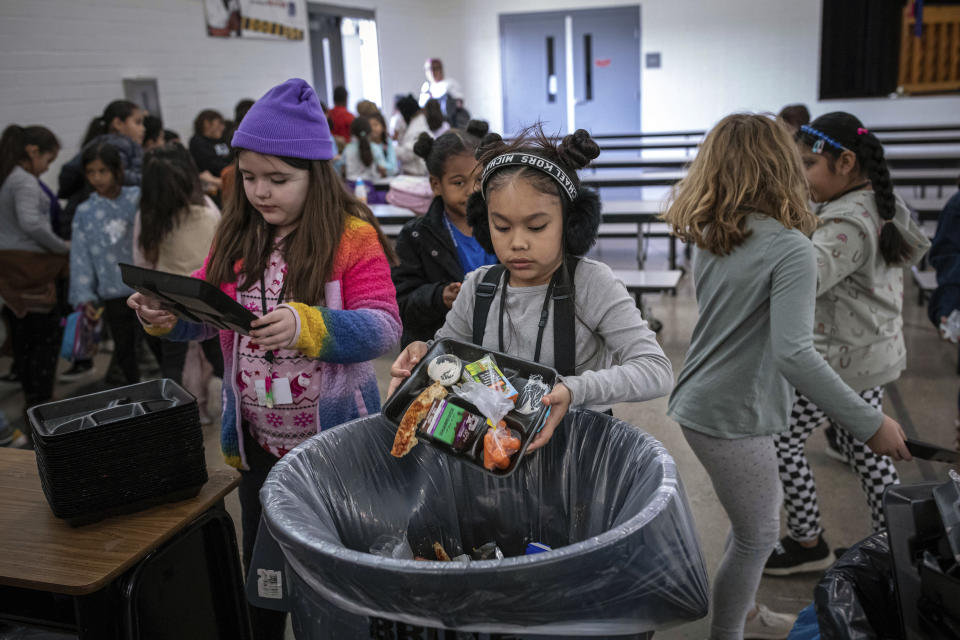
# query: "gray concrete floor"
{"points": [[928, 393]]}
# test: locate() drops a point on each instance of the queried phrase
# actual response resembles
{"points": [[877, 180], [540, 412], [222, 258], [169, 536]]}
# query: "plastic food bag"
{"points": [[394, 547], [491, 403], [531, 396], [499, 443]]}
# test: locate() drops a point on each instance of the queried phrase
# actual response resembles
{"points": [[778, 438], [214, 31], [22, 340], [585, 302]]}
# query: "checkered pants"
{"points": [[799, 493]]}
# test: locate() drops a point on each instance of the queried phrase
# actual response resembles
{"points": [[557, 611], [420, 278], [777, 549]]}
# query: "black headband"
{"points": [[534, 162]]}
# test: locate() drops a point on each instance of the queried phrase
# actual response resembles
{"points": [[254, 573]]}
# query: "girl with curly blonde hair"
{"points": [[743, 204]]}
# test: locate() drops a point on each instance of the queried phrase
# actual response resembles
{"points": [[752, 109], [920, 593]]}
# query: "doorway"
{"points": [[345, 51], [572, 70]]}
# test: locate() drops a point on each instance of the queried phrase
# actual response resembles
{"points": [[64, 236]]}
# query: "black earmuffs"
{"points": [[581, 221]]}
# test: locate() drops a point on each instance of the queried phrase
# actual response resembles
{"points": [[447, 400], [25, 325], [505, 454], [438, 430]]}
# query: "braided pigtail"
{"points": [[893, 247]]}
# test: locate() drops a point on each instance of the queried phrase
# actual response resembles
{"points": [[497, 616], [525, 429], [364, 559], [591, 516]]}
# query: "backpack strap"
{"points": [[564, 321], [564, 314], [483, 300]]}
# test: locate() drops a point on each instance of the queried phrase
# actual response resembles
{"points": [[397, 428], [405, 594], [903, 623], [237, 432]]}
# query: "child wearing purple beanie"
{"points": [[296, 247]]}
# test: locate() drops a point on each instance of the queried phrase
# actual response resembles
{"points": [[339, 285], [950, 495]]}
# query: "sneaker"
{"points": [[79, 370], [790, 557], [768, 625], [833, 447]]}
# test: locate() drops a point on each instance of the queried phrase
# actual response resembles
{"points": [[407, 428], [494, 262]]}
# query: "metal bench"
{"points": [[641, 281]]}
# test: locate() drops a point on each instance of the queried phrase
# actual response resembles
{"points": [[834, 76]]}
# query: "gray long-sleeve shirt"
{"points": [[25, 216], [754, 342], [618, 357]]}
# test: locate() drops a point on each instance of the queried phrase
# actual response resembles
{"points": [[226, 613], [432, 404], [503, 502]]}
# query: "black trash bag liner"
{"points": [[604, 494], [856, 599]]}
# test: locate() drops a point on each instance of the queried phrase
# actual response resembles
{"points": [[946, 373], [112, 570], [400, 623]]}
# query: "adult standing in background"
{"points": [[438, 85], [444, 90]]}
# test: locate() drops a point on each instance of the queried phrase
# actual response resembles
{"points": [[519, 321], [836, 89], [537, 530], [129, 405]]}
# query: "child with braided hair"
{"points": [[865, 238]]}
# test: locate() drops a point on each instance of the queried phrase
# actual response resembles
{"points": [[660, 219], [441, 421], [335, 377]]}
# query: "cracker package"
{"points": [[486, 372]]}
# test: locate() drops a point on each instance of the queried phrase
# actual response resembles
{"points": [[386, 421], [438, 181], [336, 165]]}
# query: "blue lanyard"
{"points": [[453, 236]]}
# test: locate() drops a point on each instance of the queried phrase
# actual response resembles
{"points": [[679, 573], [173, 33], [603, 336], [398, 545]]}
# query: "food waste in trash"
{"points": [[405, 439]]}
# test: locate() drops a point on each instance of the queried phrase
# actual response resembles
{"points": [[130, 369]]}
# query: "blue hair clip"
{"points": [[821, 139]]}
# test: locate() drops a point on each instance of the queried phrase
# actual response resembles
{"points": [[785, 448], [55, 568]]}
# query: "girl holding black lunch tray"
{"points": [[532, 212]]}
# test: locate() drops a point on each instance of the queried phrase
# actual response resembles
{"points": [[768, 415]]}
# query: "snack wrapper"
{"points": [[531, 396], [449, 423], [486, 372]]}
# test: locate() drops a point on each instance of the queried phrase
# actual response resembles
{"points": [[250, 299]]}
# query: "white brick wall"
{"points": [[62, 61]]}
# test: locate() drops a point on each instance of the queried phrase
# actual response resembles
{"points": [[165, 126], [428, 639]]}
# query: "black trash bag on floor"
{"points": [[603, 494], [856, 599]]}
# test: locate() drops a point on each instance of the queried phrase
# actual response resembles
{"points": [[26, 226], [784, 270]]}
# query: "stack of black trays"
{"points": [[119, 451]]}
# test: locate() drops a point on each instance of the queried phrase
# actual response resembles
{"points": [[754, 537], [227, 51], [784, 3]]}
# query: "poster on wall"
{"points": [[270, 19]]}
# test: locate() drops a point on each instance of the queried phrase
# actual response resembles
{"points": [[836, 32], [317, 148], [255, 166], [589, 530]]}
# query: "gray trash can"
{"points": [[603, 494]]}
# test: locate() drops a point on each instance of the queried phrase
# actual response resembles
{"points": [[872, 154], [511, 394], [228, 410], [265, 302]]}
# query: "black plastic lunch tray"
{"points": [[189, 298], [118, 451], [518, 371]]}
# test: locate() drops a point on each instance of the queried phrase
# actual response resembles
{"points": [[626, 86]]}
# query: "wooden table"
{"points": [[42, 553]]}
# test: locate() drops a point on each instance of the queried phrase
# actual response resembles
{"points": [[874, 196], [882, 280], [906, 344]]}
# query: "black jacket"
{"points": [[210, 155], [428, 263]]}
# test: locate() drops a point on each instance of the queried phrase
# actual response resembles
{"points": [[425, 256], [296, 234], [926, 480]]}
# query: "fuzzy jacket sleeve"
{"points": [[369, 323], [841, 251]]}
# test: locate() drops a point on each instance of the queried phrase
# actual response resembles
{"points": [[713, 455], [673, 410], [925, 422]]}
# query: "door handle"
{"points": [[588, 66], [551, 72]]}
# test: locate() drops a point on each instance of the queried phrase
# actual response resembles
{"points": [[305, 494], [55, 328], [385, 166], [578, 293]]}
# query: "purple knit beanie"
{"points": [[287, 121]]}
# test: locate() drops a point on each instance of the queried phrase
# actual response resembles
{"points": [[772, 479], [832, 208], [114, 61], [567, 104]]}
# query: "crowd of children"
{"points": [[799, 310]]}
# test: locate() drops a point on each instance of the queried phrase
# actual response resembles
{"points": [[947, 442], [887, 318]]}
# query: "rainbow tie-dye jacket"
{"points": [[358, 322]]}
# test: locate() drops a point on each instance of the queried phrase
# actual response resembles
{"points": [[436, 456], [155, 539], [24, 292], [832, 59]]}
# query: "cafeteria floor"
{"points": [[923, 400]]}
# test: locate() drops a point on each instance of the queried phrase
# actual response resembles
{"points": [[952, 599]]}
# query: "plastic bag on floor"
{"points": [[603, 494], [856, 600]]}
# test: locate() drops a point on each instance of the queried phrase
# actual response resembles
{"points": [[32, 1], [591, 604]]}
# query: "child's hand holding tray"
{"points": [[189, 298]]}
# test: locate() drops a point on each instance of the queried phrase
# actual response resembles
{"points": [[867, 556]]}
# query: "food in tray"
{"points": [[447, 369], [485, 371], [499, 444], [406, 439], [440, 552], [531, 396], [449, 423]]}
